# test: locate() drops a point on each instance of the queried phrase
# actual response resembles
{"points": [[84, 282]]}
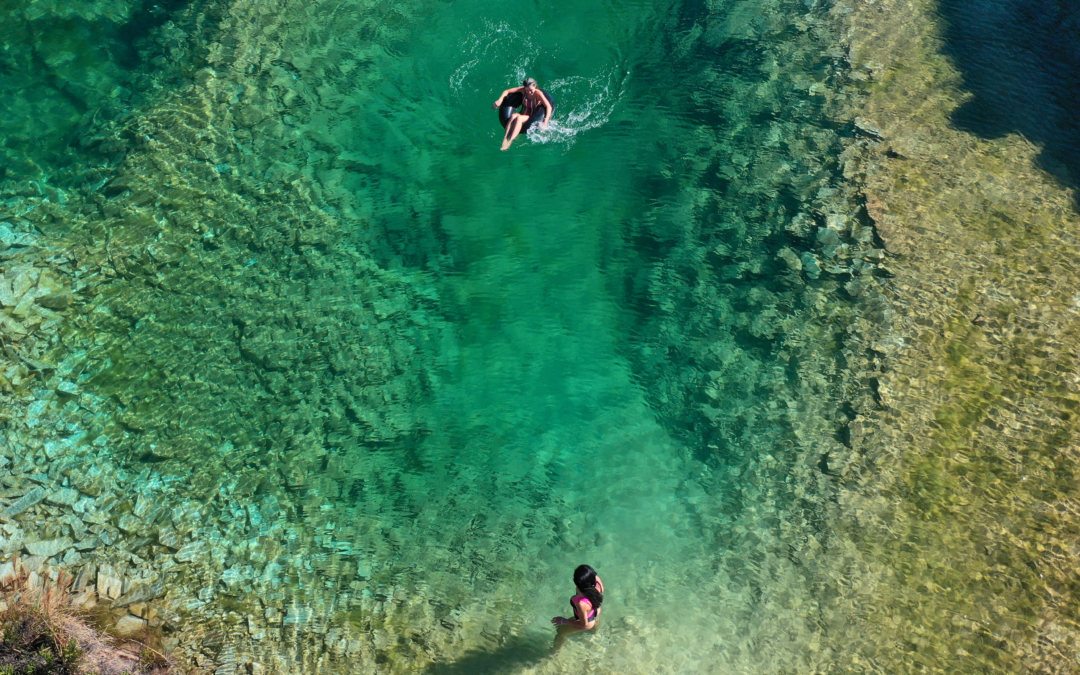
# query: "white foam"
{"points": [[582, 104], [498, 43]]}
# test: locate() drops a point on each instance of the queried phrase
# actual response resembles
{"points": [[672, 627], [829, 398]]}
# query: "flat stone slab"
{"points": [[109, 585], [190, 552], [129, 624], [49, 547], [130, 524], [87, 544], [141, 593], [26, 501], [63, 497]]}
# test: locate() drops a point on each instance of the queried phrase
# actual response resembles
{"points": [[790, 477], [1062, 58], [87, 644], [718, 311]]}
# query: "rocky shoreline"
{"points": [[64, 504]]}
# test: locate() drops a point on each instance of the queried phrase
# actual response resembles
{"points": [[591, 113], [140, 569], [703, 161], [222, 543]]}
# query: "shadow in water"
{"points": [[519, 652], [1021, 60]]}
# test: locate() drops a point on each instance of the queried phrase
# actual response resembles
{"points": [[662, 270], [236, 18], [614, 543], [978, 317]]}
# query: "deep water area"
{"points": [[309, 376]]}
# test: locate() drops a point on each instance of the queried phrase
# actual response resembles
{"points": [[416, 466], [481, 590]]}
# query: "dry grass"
{"points": [[43, 633]]}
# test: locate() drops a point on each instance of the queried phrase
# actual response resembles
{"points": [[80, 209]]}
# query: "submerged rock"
{"points": [[811, 265], [109, 585], [49, 548], [58, 301], [828, 237], [26, 501], [62, 497], [129, 625]]}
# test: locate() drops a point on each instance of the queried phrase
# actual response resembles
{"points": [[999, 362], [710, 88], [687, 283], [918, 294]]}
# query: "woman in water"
{"points": [[586, 604], [532, 101]]}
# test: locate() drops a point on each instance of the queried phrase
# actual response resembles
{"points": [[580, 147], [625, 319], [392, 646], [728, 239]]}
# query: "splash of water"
{"points": [[497, 43], [584, 104]]}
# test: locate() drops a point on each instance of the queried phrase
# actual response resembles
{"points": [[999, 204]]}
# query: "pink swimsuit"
{"points": [[573, 603]]}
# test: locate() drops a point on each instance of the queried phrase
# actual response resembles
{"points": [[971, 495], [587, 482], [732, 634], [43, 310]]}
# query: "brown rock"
{"points": [[58, 301]]}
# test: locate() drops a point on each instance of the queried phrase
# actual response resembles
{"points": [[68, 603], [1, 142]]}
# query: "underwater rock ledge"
{"points": [[964, 496]]}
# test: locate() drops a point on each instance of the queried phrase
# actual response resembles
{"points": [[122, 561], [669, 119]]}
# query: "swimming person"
{"points": [[532, 102], [586, 604]]}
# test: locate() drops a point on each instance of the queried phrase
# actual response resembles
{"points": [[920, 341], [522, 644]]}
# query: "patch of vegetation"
{"points": [[35, 629], [42, 632]]}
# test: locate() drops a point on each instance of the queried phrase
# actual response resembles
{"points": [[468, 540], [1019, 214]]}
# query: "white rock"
{"points": [[7, 572], [129, 624], [63, 497], [49, 547], [108, 584]]}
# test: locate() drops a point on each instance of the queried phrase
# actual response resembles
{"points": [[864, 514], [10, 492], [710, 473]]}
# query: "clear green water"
{"points": [[598, 355], [542, 449]]}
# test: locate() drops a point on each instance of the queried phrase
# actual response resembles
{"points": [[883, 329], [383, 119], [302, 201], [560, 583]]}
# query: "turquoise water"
{"points": [[542, 450], [604, 345]]}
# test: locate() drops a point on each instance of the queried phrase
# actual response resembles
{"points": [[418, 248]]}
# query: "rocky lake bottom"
{"points": [[301, 374]]}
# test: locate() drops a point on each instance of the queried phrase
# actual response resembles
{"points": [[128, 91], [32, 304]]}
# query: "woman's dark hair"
{"points": [[527, 82], [585, 580]]}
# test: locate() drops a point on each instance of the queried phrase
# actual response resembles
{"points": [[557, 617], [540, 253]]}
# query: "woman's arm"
{"points": [[506, 93], [547, 117], [599, 584]]}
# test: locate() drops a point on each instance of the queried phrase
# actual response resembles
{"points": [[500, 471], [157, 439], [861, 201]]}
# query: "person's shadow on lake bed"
{"points": [[1021, 60], [518, 652]]}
